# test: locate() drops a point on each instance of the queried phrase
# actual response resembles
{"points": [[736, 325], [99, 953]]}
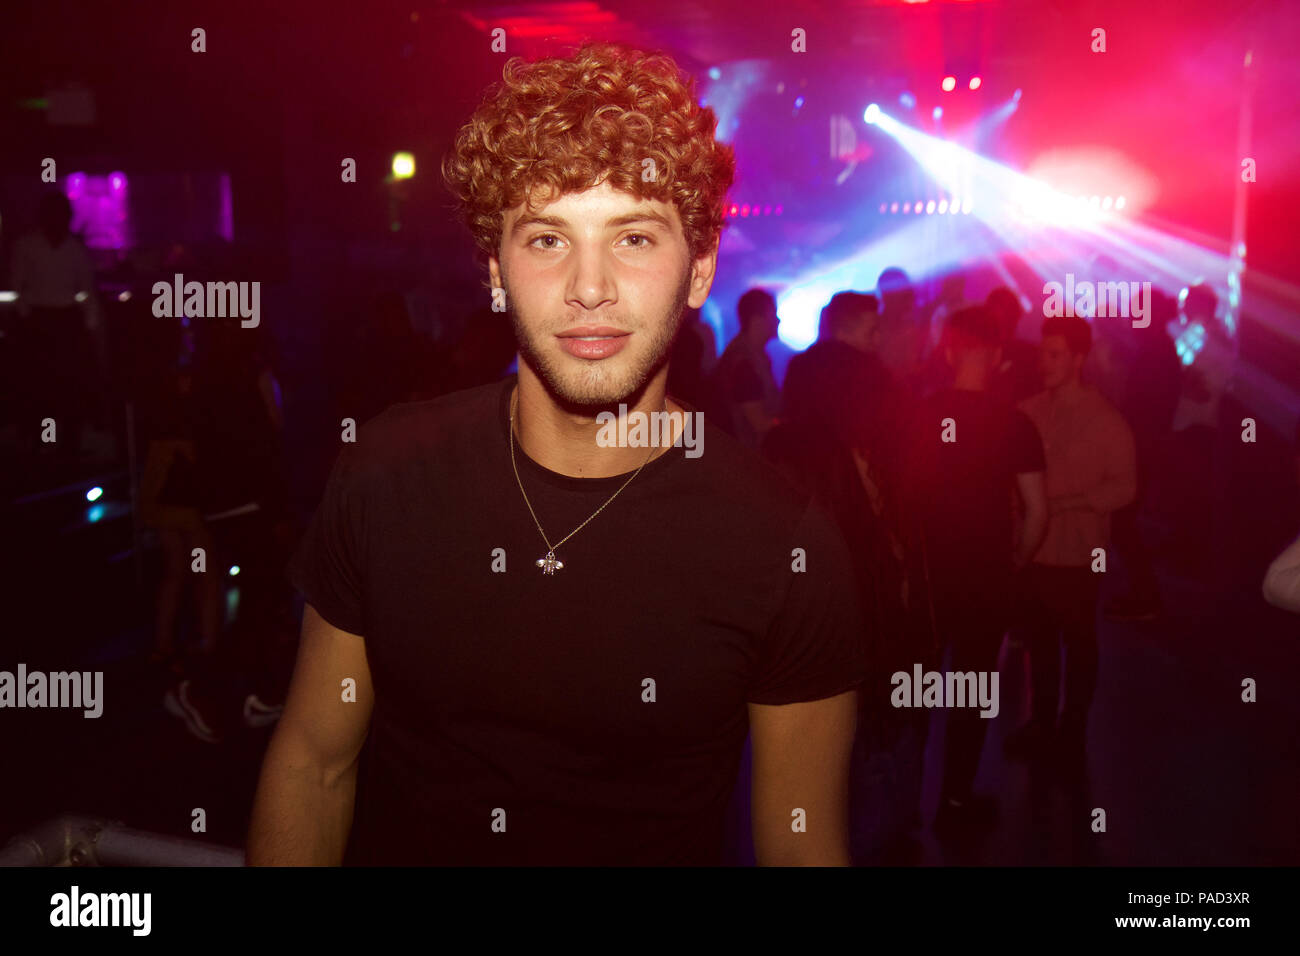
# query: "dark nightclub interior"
{"points": [[226, 233]]}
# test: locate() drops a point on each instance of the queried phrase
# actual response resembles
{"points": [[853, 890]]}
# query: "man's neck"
{"points": [[967, 379], [566, 442], [1068, 392]]}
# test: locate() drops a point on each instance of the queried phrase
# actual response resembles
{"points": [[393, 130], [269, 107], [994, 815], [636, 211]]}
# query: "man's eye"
{"points": [[554, 239], [645, 240]]}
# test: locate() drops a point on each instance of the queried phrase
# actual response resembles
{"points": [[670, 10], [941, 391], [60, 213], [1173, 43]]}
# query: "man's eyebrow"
{"points": [[525, 221], [646, 215], [627, 219]]}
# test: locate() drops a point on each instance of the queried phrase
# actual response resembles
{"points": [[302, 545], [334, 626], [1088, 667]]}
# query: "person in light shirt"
{"points": [[55, 283]]}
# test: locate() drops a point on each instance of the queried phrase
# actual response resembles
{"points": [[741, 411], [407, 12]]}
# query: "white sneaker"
{"points": [[177, 701], [258, 714]]}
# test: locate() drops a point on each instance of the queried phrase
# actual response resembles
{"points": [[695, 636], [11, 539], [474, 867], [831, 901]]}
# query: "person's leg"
{"points": [[1079, 628], [170, 588], [1039, 628], [974, 651], [1042, 626], [208, 589]]}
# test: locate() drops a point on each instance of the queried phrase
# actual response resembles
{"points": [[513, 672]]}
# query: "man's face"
{"points": [[866, 332], [1057, 362], [596, 283]]}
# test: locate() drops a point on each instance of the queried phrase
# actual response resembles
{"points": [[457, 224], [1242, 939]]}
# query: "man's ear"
{"points": [[703, 270], [494, 271]]}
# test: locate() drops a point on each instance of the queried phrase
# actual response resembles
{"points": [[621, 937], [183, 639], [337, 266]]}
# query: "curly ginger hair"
{"points": [[557, 126]]}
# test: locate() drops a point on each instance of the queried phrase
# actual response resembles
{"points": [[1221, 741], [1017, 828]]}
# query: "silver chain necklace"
{"points": [[550, 564]]}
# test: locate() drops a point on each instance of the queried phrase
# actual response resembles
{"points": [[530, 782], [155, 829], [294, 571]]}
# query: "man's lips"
{"points": [[593, 341], [588, 331]]}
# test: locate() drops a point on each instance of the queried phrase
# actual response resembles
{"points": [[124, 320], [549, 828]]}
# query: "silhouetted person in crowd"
{"points": [[971, 457], [1091, 473], [830, 380], [213, 476], [386, 361], [1017, 377], [58, 312], [834, 439], [902, 337], [1150, 394], [744, 392], [1206, 379], [693, 357]]}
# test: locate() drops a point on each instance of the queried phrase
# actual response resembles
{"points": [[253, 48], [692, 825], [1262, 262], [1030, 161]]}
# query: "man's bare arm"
{"points": [[302, 813], [1033, 495], [801, 762]]}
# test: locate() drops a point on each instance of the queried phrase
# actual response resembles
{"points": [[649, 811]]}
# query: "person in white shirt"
{"points": [[55, 283]]}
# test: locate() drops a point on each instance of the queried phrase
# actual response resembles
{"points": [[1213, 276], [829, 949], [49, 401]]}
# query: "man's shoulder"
{"points": [[1106, 414], [1035, 405], [740, 477], [409, 429]]}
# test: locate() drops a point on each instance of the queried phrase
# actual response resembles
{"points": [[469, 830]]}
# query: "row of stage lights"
{"points": [[942, 207], [742, 211], [952, 207]]}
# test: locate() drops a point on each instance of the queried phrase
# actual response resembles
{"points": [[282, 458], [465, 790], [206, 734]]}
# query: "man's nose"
{"points": [[591, 282]]}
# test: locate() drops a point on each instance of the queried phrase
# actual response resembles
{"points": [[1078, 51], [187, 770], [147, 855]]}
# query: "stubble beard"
{"points": [[586, 385]]}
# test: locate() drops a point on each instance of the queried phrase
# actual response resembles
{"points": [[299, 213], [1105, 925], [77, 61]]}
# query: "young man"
{"points": [[971, 457], [555, 645], [1091, 472]]}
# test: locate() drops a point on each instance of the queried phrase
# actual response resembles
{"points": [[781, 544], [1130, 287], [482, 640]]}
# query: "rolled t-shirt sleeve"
{"points": [[816, 646], [326, 568]]}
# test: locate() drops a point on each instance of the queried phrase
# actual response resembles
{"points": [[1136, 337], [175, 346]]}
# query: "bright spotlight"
{"points": [[403, 165], [871, 115], [1119, 203], [943, 206], [124, 296], [966, 206], [929, 208], [893, 207], [1107, 202], [949, 84], [907, 207], [1016, 95], [234, 570], [974, 82], [906, 100], [94, 493], [938, 112]]}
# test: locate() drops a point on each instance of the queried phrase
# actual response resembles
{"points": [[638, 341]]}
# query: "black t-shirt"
{"points": [[963, 490], [526, 693]]}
